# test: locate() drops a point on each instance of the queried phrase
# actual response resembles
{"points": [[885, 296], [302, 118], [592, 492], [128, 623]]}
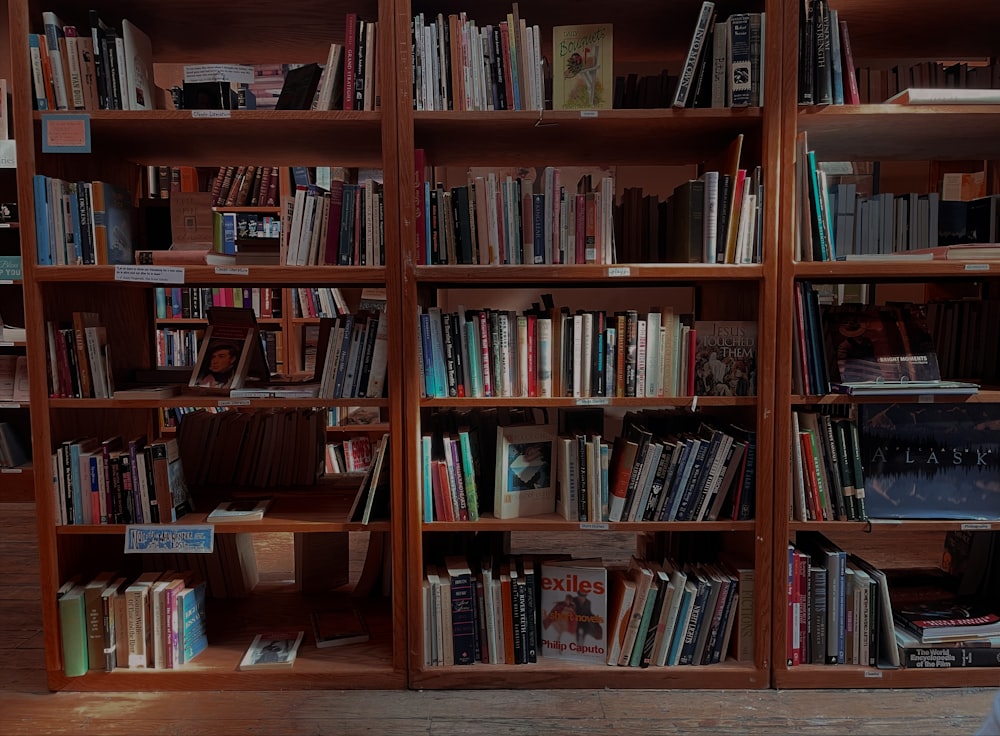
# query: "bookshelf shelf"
{"points": [[209, 401], [18, 484], [987, 396], [586, 274], [572, 137], [194, 322], [886, 526], [898, 269], [181, 136], [849, 676], [555, 523], [223, 275], [677, 401]]}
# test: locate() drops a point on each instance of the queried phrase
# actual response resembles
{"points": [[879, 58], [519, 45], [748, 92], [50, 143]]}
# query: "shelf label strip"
{"points": [[146, 539], [150, 274]]}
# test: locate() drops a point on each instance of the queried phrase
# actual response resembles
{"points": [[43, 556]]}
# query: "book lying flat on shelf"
{"points": [[905, 388], [339, 627], [148, 392], [946, 96], [241, 509], [273, 650]]}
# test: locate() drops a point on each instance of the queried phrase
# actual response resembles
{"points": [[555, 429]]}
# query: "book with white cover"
{"points": [[138, 67]]}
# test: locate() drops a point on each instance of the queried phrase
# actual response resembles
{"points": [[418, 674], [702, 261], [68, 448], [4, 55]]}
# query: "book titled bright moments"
{"points": [[575, 610], [583, 73]]}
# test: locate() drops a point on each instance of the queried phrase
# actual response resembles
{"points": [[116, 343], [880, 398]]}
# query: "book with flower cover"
{"points": [[583, 74]]}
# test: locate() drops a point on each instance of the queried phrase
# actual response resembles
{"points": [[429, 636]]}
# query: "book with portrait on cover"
{"points": [[273, 650]]}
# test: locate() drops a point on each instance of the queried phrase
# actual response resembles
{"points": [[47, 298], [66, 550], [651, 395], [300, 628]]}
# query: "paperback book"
{"points": [[725, 358], [339, 627], [273, 650], [574, 609], [525, 471], [583, 77], [241, 509]]}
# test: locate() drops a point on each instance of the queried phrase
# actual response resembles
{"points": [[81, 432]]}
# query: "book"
{"points": [[929, 461], [967, 653], [241, 509], [299, 88], [583, 73], [339, 627], [138, 51], [574, 609], [945, 96], [725, 358], [699, 39], [272, 650], [73, 629], [231, 352], [525, 482], [940, 621]]}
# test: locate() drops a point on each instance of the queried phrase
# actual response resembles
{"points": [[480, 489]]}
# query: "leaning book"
{"points": [[273, 650], [525, 471], [725, 361], [574, 604]]}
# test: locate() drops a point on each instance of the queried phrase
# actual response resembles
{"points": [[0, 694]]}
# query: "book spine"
{"points": [[687, 78], [463, 618]]}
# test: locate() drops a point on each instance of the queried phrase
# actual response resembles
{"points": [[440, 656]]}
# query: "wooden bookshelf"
{"points": [[650, 142], [904, 137], [256, 32]]}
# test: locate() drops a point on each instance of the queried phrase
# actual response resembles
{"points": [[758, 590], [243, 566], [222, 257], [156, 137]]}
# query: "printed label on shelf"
{"points": [[150, 274], [873, 674], [594, 526], [11, 470], [593, 401], [154, 538], [232, 271], [10, 404], [210, 113], [977, 526], [6, 282], [977, 267], [6, 343], [588, 113], [234, 402], [65, 133], [619, 272], [925, 399]]}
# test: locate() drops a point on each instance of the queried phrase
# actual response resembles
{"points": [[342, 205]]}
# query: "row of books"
{"points": [[106, 68], [557, 215], [14, 378], [162, 181], [725, 64], [458, 65], [372, 502], [352, 355], [264, 448], [150, 621], [885, 223], [881, 85], [12, 448], [336, 416], [340, 226], [319, 301], [78, 357], [828, 478], [963, 330], [677, 468], [114, 481], [518, 609], [193, 302], [179, 347], [488, 352], [249, 185], [82, 222], [838, 610], [826, 62], [352, 455]]}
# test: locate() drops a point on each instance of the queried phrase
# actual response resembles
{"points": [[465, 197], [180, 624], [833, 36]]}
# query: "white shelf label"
{"points": [[6, 343], [617, 272], [10, 470], [925, 399], [594, 526], [154, 538], [593, 401], [234, 402], [588, 113], [873, 674], [210, 113], [977, 267], [150, 274], [10, 405], [6, 282], [977, 526], [232, 271]]}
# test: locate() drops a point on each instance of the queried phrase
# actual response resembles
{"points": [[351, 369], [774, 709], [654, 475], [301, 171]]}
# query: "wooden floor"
{"points": [[26, 706]]}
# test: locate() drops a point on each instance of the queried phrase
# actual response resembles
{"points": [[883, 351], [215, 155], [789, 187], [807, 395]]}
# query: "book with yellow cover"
{"points": [[583, 67]]}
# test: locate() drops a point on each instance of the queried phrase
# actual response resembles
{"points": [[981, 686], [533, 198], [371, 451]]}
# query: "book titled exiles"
{"points": [[574, 603]]}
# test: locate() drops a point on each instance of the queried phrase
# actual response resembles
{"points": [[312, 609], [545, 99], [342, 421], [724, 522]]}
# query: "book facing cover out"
{"points": [[273, 650], [583, 77], [525, 471], [725, 358], [930, 461], [574, 610], [299, 88]]}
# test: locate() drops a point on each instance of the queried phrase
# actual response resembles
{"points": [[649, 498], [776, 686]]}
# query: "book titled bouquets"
{"points": [[574, 603], [583, 74]]}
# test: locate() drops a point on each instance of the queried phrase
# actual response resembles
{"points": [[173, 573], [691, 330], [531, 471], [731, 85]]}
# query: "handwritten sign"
{"points": [[150, 274], [66, 133], [145, 539]]}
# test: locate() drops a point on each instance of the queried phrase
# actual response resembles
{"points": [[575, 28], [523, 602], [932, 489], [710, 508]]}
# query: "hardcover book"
{"points": [[725, 358], [339, 627], [583, 77], [231, 351], [574, 609], [930, 461]]}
